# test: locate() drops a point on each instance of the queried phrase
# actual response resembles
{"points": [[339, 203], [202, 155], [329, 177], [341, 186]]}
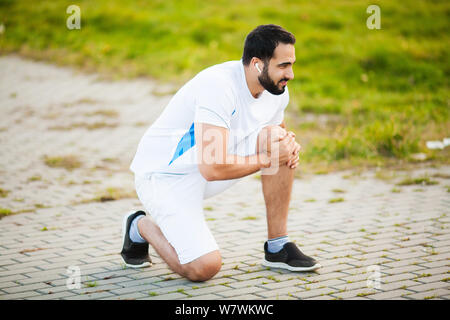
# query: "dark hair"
{"points": [[263, 40]]}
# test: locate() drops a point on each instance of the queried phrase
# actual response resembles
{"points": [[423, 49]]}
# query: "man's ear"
{"points": [[257, 64]]}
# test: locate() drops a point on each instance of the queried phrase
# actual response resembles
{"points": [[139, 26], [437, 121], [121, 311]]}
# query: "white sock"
{"points": [[134, 231], [276, 244]]}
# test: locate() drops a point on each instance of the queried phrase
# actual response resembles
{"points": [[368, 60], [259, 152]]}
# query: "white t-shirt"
{"points": [[218, 95]]}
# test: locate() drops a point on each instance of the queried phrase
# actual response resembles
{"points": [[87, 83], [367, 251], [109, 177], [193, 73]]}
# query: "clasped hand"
{"points": [[288, 149]]}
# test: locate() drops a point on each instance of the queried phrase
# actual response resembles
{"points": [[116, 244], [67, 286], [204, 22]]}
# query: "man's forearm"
{"points": [[235, 167]]}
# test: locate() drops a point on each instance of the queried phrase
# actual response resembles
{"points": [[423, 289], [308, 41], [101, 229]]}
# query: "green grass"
{"points": [[68, 162], [91, 284], [335, 200], [420, 181], [424, 275], [250, 218], [89, 126], [364, 294], [111, 194], [383, 93], [5, 212], [273, 278], [35, 178], [104, 113], [3, 193]]}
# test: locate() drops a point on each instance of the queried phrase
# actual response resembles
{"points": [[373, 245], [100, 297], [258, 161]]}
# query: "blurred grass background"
{"points": [[360, 97]]}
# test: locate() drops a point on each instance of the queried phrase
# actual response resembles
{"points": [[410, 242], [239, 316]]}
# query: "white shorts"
{"points": [[175, 202]]}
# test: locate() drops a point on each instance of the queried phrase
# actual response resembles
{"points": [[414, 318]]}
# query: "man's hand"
{"points": [[286, 148], [284, 141], [294, 159]]}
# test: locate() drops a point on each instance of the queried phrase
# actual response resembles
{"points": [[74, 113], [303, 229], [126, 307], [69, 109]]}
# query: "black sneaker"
{"points": [[290, 258], [134, 254]]}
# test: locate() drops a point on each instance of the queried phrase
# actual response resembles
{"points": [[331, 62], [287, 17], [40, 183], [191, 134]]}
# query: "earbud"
{"points": [[257, 67]]}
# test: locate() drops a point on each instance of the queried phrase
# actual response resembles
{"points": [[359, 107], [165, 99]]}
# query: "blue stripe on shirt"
{"points": [[187, 141]]}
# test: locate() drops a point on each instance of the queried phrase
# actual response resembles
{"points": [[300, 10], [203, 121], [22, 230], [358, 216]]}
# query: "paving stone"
{"points": [[438, 270], [352, 285], [205, 297], [52, 296], [394, 294], [405, 269], [429, 286], [275, 294], [328, 276], [244, 297], [242, 284], [397, 285], [237, 292], [12, 277], [44, 278], [216, 289], [25, 288], [280, 284], [398, 277], [354, 294], [430, 294], [130, 296], [405, 262], [313, 293], [425, 278], [20, 295], [321, 297], [168, 296], [90, 296], [136, 288]]}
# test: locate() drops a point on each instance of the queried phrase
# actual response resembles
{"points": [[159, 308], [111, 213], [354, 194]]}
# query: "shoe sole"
{"points": [[124, 226], [282, 265]]}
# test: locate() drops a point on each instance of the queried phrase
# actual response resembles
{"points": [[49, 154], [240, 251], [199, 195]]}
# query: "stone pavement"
{"points": [[66, 141]]}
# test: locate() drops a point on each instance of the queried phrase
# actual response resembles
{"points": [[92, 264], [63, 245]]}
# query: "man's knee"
{"points": [[267, 135], [203, 268]]}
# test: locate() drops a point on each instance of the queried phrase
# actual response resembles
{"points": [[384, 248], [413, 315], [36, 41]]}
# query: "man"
{"points": [[224, 124]]}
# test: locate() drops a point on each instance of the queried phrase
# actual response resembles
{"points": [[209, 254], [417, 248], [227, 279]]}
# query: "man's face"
{"points": [[278, 70]]}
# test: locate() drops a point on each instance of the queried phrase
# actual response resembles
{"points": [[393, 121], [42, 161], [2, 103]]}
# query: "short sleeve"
{"points": [[215, 103]]}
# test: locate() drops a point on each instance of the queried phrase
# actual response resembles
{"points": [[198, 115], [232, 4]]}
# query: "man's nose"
{"points": [[290, 74]]}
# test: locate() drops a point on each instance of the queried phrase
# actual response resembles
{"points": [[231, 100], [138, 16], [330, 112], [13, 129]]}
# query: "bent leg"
{"points": [[200, 269], [277, 189], [177, 229]]}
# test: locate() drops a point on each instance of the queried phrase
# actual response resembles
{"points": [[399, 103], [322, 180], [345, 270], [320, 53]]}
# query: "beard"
{"points": [[268, 84]]}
